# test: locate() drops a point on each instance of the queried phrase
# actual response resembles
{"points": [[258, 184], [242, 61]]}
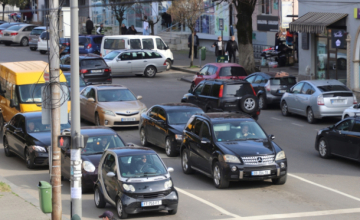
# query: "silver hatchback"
{"points": [[316, 99], [17, 34]]}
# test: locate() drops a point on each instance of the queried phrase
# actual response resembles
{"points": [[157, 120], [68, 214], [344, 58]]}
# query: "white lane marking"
{"points": [[298, 124], [325, 187], [208, 203], [276, 118]]}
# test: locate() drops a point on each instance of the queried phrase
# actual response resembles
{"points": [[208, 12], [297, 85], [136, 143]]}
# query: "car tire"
{"points": [[262, 102], [99, 198], [24, 42], [29, 163], [218, 177], [279, 181], [168, 64], [284, 109], [324, 149], [150, 71], [43, 51], [172, 212], [33, 48], [185, 164], [120, 209], [170, 149], [249, 104], [7, 148], [1, 123], [7, 44], [143, 138], [97, 119], [310, 116]]}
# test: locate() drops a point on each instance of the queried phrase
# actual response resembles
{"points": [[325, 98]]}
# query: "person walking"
{"points": [[100, 29], [131, 30], [196, 44], [231, 48], [219, 47], [89, 25], [123, 29], [145, 26]]}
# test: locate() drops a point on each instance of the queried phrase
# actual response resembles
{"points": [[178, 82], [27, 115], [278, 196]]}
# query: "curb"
{"points": [[183, 70]]}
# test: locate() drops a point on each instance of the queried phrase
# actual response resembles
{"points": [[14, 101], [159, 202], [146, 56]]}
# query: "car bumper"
{"points": [[118, 121], [161, 69], [89, 179], [98, 80], [34, 45], [11, 39], [133, 205], [324, 111], [39, 158], [272, 99]]}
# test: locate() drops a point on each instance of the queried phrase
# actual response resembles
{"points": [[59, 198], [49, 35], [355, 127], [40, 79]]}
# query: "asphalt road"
{"points": [[315, 188]]}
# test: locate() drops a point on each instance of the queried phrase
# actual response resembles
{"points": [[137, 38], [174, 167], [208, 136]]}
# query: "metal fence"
{"points": [[258, 48]]}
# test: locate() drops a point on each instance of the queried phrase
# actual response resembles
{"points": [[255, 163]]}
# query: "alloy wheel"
{"points": [[185, 161], [322, 148], [142, 137], [24, 41], [168, 147], [249, 104], [150, 72], [261, 102], [284, 108], [119, 208], [217, 175], [27, 157]]}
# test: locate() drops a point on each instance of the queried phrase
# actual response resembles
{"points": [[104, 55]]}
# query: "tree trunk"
{"points": [[120, 28], [244, 32]]}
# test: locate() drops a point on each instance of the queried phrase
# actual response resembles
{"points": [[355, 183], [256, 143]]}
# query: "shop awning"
{"points": [[315, 22]]}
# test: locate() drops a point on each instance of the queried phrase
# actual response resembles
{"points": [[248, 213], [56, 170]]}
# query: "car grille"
{"points": [[126, 122], [255, 160], [127, 113], [39, 160], [150, 195]]}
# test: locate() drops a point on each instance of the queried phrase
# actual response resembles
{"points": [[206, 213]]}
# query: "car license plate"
{"points": [[6, 34], [128, 119], [81, 46], [96, 71], [260, 173], [151, 203], [337, 101], [282, 91]]}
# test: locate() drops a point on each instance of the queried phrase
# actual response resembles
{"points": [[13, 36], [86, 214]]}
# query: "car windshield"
{"points": [[37, 31], [115, 95], [283, 81], [14, 28], [332, 88], [93, 63], [238, 131], [34, 125], [111, 55], [31, 93], [68, 81], [100, 143], [181, 116], [232, 71], [138, 166]]}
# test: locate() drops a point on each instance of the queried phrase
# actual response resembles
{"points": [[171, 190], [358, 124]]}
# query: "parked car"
{"points": [[17, 34], [163, 125], [231, 147], [111, 106], [64, 44], [34, 37], [316, 99], [219, 71], [93, 68], [90, 44], [341, 139], [26, 136], [135, 180], [130, 62], [270, 87], [43, 42], [99, 140], [224, 95], [2, 22], [82, 84], [4, 26], [351, 111]]}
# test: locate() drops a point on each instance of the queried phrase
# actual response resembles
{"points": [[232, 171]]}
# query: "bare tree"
{"points": [[119, 8], [187, 12], [141, 8]]}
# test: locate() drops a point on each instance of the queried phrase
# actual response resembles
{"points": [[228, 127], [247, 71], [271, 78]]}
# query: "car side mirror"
{"points": [[110, 174], [170, 169], [205, 141], [118, 59], [139, 97], [18, 130], [91, 99], [272, 137]]}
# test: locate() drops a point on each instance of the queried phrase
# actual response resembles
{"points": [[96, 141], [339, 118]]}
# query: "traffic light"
{"points": [[64, 141]]}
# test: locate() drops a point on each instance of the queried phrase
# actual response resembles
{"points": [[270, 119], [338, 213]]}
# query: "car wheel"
{"points": [[324, 149], [279, 181], [29, 162], [97, 119], [218, 177], [143, 139], [1, 123], [7, 148], [170, 148], [168, 64], [310, 116], [262, 102], [24, 42], [284, 109], [33, 48], [99, 198], [43, 51], [7, 44], [186, 167], [150, 71], [249, 104], [120, 209], [172, 212]]}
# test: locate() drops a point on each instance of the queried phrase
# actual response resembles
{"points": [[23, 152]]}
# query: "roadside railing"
{"points": [[258, 49]]}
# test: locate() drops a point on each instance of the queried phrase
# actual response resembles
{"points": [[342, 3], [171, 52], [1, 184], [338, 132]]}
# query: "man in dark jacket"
{"points": [[131, 30], [231, 48], [89, 25], [219, 47], [196, 39], [123, 29]]}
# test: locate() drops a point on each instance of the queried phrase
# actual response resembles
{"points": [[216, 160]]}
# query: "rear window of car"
{"points": [[238, 90], [97, 40], [332, 88], [14, 28], [83, 41], [114, 44], [283, 81], [45, 36], [6, 25], [232, 71], [37, 31], [93, 63]]}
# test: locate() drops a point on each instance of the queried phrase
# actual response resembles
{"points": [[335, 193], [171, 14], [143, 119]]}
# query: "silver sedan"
{"points": [[316, 99]]}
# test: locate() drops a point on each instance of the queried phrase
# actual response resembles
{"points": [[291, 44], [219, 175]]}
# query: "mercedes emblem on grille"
{"points": [[259, 159]]}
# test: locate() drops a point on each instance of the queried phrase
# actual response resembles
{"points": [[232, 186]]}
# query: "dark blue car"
{"points": [[90, 44], [64, 46]]}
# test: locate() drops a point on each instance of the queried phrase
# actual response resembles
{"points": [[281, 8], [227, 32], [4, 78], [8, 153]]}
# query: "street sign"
{"points": [[46, 76], [221, 24]]}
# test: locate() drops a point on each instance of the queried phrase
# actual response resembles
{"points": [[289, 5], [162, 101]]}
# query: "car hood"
{"points": [[248, 148], [149, 187], [122, 106], [44, 138], [178, 128], [93, 158]]}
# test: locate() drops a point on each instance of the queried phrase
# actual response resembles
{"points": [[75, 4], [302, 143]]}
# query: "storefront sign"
{"points": [[267, 23], [338, 39]]}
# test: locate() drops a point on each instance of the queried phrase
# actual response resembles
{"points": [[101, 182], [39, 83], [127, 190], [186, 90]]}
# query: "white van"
{"points": [[118, 42]]}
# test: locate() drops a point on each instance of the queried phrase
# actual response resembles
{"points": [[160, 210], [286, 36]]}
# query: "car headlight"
{"points": [[280, 156], [178, 137], [130, 188], [38, 148], [88, 166], [231, 159], [168, 184], [108, 112], [143, 110]]}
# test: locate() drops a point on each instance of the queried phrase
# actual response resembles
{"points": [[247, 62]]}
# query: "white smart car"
{"points": [[350, 112]]}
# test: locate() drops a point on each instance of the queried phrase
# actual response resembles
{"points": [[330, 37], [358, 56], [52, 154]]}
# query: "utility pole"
{"points": [[75, 170], [55, 110]]}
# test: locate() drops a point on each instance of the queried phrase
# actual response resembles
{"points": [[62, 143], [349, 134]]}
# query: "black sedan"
{"points": [[162, 125], [27, 137], [99, 139], [341, 139]]}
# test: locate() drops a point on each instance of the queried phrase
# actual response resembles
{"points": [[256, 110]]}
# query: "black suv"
{"points": [[270, 86], [93, 68], [231, 147], [224, 95]]}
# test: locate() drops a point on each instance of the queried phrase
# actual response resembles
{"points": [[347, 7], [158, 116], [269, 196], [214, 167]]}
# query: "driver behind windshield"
{"points": [[245, 131], [142, 164]]}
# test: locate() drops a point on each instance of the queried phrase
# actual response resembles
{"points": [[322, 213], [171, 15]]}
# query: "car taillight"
{"points": [[107, 70], [1, 33], [165, 63], [89, 46], [267, 86], [355, 100], [101, 54], [84, 71], [221, 91], [66, 44], [14, 34], [320, 100], [253, 90]]}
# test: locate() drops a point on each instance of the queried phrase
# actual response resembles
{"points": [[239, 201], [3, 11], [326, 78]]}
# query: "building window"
{"points": [[266, 7]]}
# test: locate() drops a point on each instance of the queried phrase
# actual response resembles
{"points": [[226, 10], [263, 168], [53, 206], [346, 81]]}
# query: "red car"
{"points": [[219, 71]]}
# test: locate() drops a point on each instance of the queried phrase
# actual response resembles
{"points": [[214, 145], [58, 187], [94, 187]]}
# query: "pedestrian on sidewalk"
{"points": [[100, 29], [145, 26], [131, 30], [196, 44], [123, 29], [231, 48], [107, 215], [89, 25], [219, 47]]}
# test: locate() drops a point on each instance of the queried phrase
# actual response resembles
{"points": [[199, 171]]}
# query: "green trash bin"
{"points": [[203, 53], [45, 196]]}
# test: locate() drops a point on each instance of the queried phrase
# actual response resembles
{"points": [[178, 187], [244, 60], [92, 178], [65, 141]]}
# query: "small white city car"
{"points": [[351, 111]]}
